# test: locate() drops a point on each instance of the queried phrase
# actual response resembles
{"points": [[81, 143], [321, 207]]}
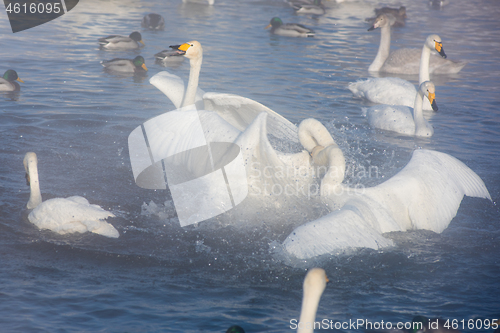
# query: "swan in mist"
{"points": [[236, 110], [393, 90], [153, 22], [406, 61], [314, 285], [135, 65], [116, 42], [314, 8], [63, 216], [425, 194], [402, 119], [288, 29], [8, 81]]}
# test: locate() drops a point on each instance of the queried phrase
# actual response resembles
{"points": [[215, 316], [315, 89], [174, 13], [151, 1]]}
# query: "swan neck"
{"points": [[35, 194], [418, 116], [383, 49], [310, 302], [192, 87], [332, 157], [424, 65]]}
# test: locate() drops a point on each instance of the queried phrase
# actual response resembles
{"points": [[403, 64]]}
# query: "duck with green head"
{"points": [[136, 65], [8, 81], [288, 29]]}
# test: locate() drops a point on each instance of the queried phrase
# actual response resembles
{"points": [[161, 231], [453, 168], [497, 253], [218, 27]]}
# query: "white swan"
{"points": [[63, 216], [425, 194], [406, 61], [396, 91], [402, 119], [314, 285], [236, 110]]}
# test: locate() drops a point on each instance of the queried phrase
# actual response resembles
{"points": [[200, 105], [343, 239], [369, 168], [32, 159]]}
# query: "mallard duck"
{"points": [[153, 22], [115, 42], [288, 29], [170, 54], [125, 65], [7, 82], [235, 329], [315, 8]]}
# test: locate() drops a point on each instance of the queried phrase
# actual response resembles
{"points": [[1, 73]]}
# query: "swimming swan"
{"points": [[425, 194], [63, 216], [314, 285], [236, 110], [406, 61], [402, 119], [396, 91]]}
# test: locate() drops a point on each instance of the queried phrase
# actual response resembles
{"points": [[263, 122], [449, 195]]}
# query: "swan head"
{"points": [[30, 162], [429, 90], [275, 23], [434, 42], [192, 50], [137, 37], [381, 21], [315, 281]]}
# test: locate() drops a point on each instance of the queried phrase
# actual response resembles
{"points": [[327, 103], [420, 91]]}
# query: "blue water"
{"points": [[160, 277]]}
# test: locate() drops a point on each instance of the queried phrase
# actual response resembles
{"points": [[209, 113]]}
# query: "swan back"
{"points": [[314, 285]]}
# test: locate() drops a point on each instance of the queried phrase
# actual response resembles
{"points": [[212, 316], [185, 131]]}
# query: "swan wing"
{"points": [[439, 65], [338, 231], [403, 61], [427, 192], [241, 112], [387, 90], [173, 87]]}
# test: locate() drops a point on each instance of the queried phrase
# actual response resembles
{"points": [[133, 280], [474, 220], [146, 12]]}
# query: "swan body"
{"points": [[125, 65], [153, 22], [236, 110], [314, 285], [396, 91], [315, 8], [288, 29], [64, 215], [402, 119], [425, 194], [8, 81], [116, 42], [407, 61]]}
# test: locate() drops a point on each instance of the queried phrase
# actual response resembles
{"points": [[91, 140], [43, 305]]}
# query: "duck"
{"points": [[313, 287], [115, 42], [315, 8], [402, 119], [64, 215], [238, 111], [235, 329], [397, 91], [425, 194], [288, 29], [153, 22], [397, 16], [135, 65], [169, 54], [8, 81], [406, 61]]}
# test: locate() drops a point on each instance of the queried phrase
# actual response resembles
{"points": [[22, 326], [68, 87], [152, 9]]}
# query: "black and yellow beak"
{"points": [[182, 48], [439, 48], [432, 99]]}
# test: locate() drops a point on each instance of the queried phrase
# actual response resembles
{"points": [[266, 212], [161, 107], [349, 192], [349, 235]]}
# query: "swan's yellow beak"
{"points": [[432, 100], [184, 47], [268, 26], [439, 48], [144, 67], [19, 79]]}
